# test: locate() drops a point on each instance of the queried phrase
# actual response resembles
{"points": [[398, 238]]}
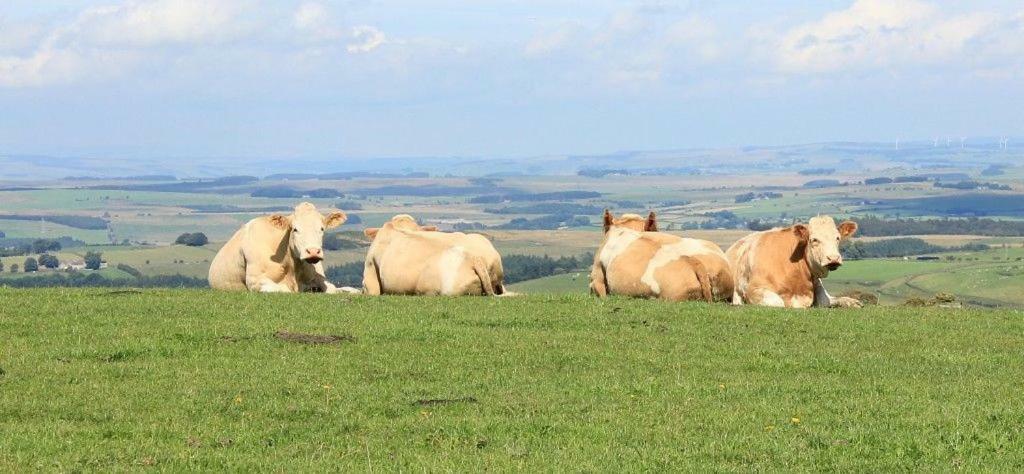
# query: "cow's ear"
{"points": [[847, 229], [334, 219], [802, 232], [608, 220], [280, 221], [371, 232], [652, 223], [428, 228]]}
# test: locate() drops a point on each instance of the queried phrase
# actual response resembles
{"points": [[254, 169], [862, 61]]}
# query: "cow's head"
{"points": [[305, 227], [821, 238], [399, 222], [631, 221]]}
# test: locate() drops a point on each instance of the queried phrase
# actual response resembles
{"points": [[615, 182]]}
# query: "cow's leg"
{"points": [[824, 300], [268, 286], [371, 279], [598, 281], [317, 281], [257, 281], [737, 300], [763, 297]]}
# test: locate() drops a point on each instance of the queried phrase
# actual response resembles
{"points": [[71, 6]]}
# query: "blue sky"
{"points": [[381, 78]]}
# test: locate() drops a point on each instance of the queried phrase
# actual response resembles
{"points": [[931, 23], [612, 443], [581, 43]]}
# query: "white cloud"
{"points": [[895, 34], [365, 39], [631, 48], [107, 40], [316, 23], [158, 22]]}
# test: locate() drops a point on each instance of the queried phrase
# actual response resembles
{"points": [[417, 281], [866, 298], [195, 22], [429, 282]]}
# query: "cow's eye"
{"points": [[814, 241], [295, 229], [321, 229]]}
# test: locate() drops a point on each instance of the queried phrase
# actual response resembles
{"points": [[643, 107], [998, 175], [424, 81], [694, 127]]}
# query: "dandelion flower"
{"points": [[795, 420]]}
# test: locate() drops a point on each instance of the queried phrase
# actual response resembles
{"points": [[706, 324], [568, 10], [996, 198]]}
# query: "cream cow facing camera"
{"points": [[784, 267], [408, 259], [277, 253], [636, 260]]}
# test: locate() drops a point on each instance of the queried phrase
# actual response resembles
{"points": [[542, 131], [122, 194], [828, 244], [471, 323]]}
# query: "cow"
{"points": [[408, 259], [277, 254], [784, 267], [634, 259]]}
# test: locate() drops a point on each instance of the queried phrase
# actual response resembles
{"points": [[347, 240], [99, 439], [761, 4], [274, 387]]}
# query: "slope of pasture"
{"points": [[197, 380], [986, 277]]}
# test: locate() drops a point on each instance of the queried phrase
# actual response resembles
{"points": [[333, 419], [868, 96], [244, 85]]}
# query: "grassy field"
{"points": [[100, 380]]}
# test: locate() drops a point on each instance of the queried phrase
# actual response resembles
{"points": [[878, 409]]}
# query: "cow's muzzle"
{"points": [[313, 260], [834, 266]]}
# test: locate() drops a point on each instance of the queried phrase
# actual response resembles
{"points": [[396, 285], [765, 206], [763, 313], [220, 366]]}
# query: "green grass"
{"points": [[100, 381], [574, 282]]}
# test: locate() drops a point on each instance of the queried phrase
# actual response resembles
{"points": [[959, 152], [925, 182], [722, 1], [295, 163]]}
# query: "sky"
{"points": [[188, 79]]}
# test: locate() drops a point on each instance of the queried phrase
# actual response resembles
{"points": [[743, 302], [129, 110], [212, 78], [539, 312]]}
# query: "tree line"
{"points": [[517, 268], [872, 226], [900, 247], [84, 280]]}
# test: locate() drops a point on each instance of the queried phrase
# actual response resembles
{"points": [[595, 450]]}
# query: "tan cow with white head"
{"points": [[784, 267], [277, 253], [636, 260], [408, 259]]}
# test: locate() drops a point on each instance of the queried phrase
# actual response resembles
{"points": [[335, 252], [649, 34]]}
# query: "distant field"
{"points": [[95, 380]]}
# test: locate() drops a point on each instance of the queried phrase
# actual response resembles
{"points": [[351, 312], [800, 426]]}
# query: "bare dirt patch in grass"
{"points": [[314, 339]]}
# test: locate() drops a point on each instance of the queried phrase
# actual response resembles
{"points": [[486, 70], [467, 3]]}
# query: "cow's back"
{"points": [[740, 257], [227, 270], [654, 264], [427, 263]]}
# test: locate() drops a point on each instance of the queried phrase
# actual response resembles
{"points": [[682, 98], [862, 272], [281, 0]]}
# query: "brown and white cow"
{"points": [[636, 260], [276, 253], [784, 267], [408, 259]]}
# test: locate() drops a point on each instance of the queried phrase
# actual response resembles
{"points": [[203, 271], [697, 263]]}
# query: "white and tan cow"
{"points": [[408, 259], [277, 253], [784, 267], [636, 260]]}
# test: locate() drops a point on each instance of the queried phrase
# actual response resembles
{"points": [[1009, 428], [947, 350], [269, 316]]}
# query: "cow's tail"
{"points": [[480, 268], [703, 278]]}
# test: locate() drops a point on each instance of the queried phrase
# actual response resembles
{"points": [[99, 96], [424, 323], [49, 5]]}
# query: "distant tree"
{"points": [[197, 239], [49, 261], [45, 245], [129, 270], [93, 260], [334, 241], [1, 266], [2, 235], [14, 268], [31, 265]]}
